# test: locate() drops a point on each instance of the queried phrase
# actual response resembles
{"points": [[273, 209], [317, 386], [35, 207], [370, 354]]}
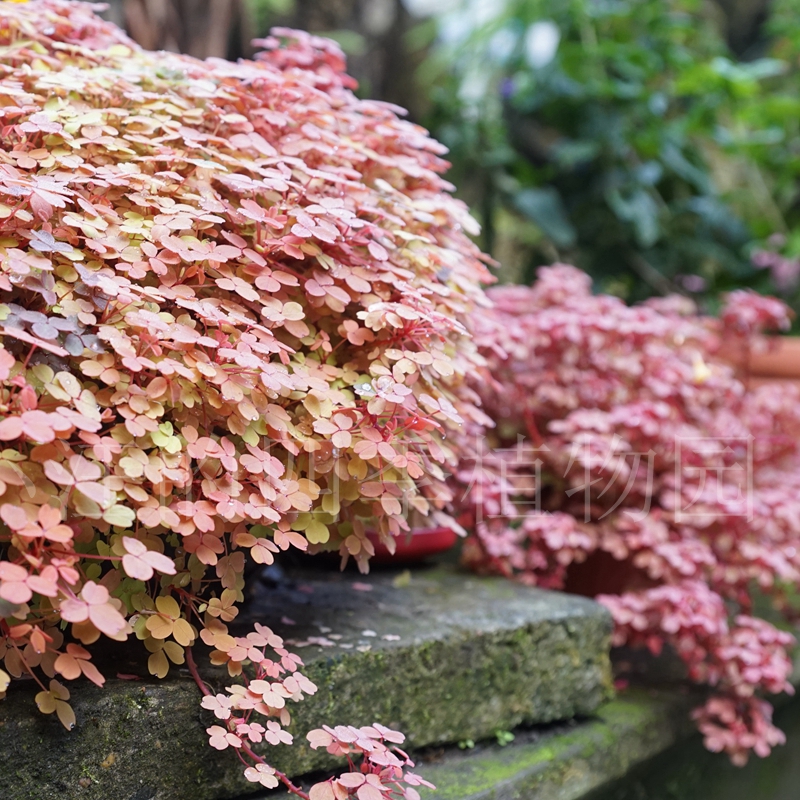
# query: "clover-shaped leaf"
{"points": [[139, 562]]}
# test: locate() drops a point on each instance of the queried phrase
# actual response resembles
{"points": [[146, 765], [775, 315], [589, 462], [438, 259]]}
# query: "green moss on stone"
{"points": [[565, 764]]}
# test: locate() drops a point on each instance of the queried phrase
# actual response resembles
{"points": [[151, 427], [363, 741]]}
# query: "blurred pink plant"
{"points": [[622, 439]]}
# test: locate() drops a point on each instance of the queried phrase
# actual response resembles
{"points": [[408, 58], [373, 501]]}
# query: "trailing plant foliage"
{"points": [[234, 308], [377, 767], [631, 463]]}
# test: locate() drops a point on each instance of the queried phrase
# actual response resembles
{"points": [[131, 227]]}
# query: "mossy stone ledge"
{"points": [[567, 762], [440, 655]]}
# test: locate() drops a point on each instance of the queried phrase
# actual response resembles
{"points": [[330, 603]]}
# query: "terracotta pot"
{"points": [[781, 358], [759, 380], [419, 544]]}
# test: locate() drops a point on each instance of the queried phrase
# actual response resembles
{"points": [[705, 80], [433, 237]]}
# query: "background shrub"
{"points": [[625, 137]]}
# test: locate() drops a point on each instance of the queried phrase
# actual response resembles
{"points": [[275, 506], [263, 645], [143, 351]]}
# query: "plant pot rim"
{"points": [[415, 546], [780, 360]]}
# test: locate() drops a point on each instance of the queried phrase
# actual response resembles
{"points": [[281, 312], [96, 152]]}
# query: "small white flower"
{"points": [[541, 43]]}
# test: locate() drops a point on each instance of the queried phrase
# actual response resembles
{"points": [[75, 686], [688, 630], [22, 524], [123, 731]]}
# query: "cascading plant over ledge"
{"points": [[233, 314], [629, 462]]}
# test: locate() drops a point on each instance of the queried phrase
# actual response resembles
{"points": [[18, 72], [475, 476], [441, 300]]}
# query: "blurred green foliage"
{"points": [[264, 14], [622, 136]]}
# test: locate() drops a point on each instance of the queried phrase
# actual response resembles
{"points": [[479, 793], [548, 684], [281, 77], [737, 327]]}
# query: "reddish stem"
{"points": [[533, 430], [190, 663], [67, 554]]}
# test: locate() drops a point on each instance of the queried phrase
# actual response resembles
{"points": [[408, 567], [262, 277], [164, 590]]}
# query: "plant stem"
{"points": [[190, 663]]}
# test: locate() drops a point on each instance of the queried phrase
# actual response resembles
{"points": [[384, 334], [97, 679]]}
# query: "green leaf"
{"points": [[119, 516], [641, 211], [674, 159], [544, 207]]}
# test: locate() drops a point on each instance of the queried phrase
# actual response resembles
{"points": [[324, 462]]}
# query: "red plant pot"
{"points": [[780, 360], [421, 543]]}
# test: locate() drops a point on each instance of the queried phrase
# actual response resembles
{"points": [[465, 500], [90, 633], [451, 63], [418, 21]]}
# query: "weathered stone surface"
{"points": [[568, 761], [462, 658], [688, 771]]}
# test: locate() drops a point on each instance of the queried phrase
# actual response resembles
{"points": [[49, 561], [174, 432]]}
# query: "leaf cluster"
{"points": [[233, 320]]}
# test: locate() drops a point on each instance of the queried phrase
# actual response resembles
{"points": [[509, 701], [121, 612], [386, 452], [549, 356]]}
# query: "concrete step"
{"points": [[566, 762], [641, 746], [440, 655]]}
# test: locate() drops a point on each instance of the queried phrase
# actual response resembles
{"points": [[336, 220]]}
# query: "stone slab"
{"points": [[567, 762], [688, 771], [452, 657]]}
